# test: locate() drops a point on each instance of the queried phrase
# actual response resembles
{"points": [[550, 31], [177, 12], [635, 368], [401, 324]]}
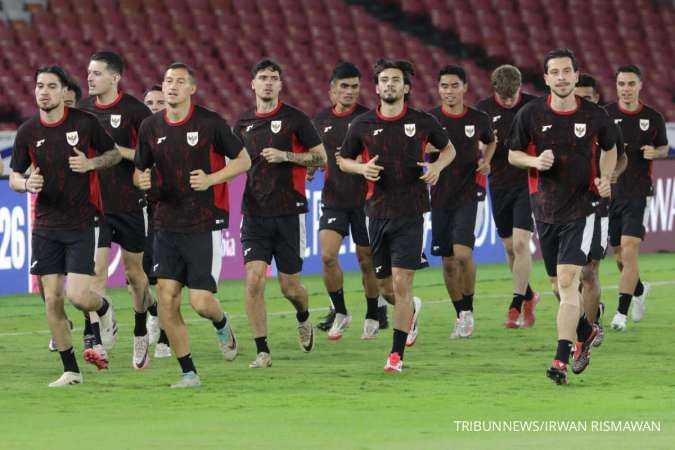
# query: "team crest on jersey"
{"points": [[644, 124], [409, 129], [72, 137], [275, 126], [580, 130], [469, 130], [115, 120], [192, 138]]}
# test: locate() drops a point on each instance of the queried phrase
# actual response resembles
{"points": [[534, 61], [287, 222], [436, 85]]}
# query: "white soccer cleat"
{"points": [[306, 335], [466, 329], [67, 379], [371, 328], [619, 322], [263, 360], [412, 333], [108, 326], [187, 380], [455, 330], [340, 324], [162, 351], [153, 328], [639, 304], [141, 356], [227, 341]]}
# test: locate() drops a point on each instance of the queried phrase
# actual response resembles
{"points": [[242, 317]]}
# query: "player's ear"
{"points": [[406, 89], [252, 85]]}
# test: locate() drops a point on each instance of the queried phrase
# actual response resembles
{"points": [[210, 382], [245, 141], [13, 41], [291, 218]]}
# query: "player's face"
{"points": [[48, 91], [509, 102], [177, 86], [587, 93], [391, 85], [346, 91], [155, 101], [69, 98], [100, 79], [267, 85], [451, 90], [561, 76], [628, 86]]}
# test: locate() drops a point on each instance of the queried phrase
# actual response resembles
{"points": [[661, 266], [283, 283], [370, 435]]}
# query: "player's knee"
{"points": [[329, 259], [520, 247], [200, 303], [291, 290], [366, 265], [136, 277], [565, 279], [78, 297], [255, 280]]}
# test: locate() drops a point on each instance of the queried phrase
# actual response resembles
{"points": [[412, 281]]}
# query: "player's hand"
{"points": [[145, 180], [649, 152], [79, 162], [431, 174], [483, 167], [199, 180], [371, 171], [274, 156], [309, 176], [544, 161], [604, 187], [35, 181]]}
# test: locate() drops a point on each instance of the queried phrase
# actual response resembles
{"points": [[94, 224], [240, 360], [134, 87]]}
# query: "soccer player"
{"points": [[124, 221], [342, 199], [73, 93], [390, 140], [509, 196], [282, 142], [187, 146], [555, 138], [60, 146], [154, 98], [454, 198], [644, 133]]}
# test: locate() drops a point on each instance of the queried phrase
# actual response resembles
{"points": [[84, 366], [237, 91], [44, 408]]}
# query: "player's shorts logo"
{"points": [[409, 129], [580, 130], [115, 120], [192, 138], [644, 124], [72, 137], [469, 130], [275, 126]]}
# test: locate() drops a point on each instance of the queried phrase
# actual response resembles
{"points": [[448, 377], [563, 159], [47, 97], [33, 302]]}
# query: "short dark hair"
{"points": [[452, 69], [585, 80], [56, 70], [265, 63], [345, 69], [113, 60], [74, 86], [560, 53], [154, 87], [180, 65], [404, 66], [629, 68]]}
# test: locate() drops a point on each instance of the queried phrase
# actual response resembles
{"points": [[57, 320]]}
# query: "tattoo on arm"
{"points": [[310, 159], [108, 159]]}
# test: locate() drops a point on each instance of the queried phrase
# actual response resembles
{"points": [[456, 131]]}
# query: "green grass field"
{"points": [[338, 397]]}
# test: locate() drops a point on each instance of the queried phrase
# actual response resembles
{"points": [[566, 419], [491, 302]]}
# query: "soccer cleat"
{"points": [[327, 321], [528, 310], [67, 379], [619, 322], [412, 334], [557, 372], [227, 341], [162, 351], [382, 317], [88, 341], [455, 330], [153, 328], [263, 360], [52, 343], [582, 352], [639, 305], [340, 324], [371, 328], [141, 356], [512, 318], [600, 337], [466, 328], [187, 380], [96, 356], [394, 363], [108, 326], [306, 335]]}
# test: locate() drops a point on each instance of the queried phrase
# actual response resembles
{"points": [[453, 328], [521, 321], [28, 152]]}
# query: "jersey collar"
{"points": [[631, 113], [109, 105], [346, 113], [563, 113], [58, 122], [454, 116], [181, 122], [391, 119], [271, 113]]}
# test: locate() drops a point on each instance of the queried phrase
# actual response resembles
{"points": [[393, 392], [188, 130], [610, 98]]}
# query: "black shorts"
{"points": [[129, 230], [628, 217], [341, 220], [193, 259], [283, 238], [453, 226], [567, 243], [511, 209], [600, 232], [397, 243], [63, 251]]}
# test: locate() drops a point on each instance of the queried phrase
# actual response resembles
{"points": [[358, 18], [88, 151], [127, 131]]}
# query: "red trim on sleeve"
{"points": [[563, 113], [133, 138], [595, 170], [180, 122], [220, 196], [481, 180], [532, 174], [271, 113], [365, 157], [95, 197], [391, 119], [58, 122], [117, 99], [299, 172]]}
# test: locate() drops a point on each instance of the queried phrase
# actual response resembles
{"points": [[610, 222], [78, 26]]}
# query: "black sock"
{"points": [[399, 342], [104, 308], [624, 303], [87, 327], [371, 311], [139, 323], [517, 301], [96, 328], [639, 289], [152, 309], [458, 306], [584, 329], [528, 293], [338, 299], [261, 344], [69, 362], [186, 363], [302, 316], [163, 338], [467, 303], [563, 352], [219, 325]]}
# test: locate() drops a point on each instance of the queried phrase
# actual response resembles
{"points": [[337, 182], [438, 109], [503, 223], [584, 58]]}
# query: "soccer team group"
{"points": [[577, 171]]}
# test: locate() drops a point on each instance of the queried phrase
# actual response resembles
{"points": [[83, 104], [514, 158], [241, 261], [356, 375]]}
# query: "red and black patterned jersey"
{"points": [[565, 192], [642, 127], [68, 200], [340, 190], [502, 174], [275, 189], [603, 203], [400, 143], [121, 119], [200, 141], [458, 183]]}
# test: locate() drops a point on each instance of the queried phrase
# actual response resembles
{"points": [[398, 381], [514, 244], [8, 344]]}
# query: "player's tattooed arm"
{"points": [[81, 164], [315, 157], [127, 153]]}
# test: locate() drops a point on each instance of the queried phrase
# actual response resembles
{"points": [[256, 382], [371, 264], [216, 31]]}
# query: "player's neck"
{"points": [[392, 109], [563, 104], [454, 110], [340, 108], [630, 106], [52, 116], [107, 97], [178, 112], [265, 107]]}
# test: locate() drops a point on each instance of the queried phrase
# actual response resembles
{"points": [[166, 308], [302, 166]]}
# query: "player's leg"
{"points": [[402, 281], [142, 299], [463, 255], [524, 298], [371, 325], [330, 242]]}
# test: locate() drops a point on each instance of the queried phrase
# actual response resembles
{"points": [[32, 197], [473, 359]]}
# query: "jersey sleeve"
{"points": [[487, 135], [100, 139], [606, 132], [437, 136], [661, 137], [620, 145], [225, 142], [20, 161], [519, 136], [352, 146], [144, 158], [306, 132]]}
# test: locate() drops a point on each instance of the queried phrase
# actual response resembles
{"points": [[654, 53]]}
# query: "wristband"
{"points": [[25, 185]]}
